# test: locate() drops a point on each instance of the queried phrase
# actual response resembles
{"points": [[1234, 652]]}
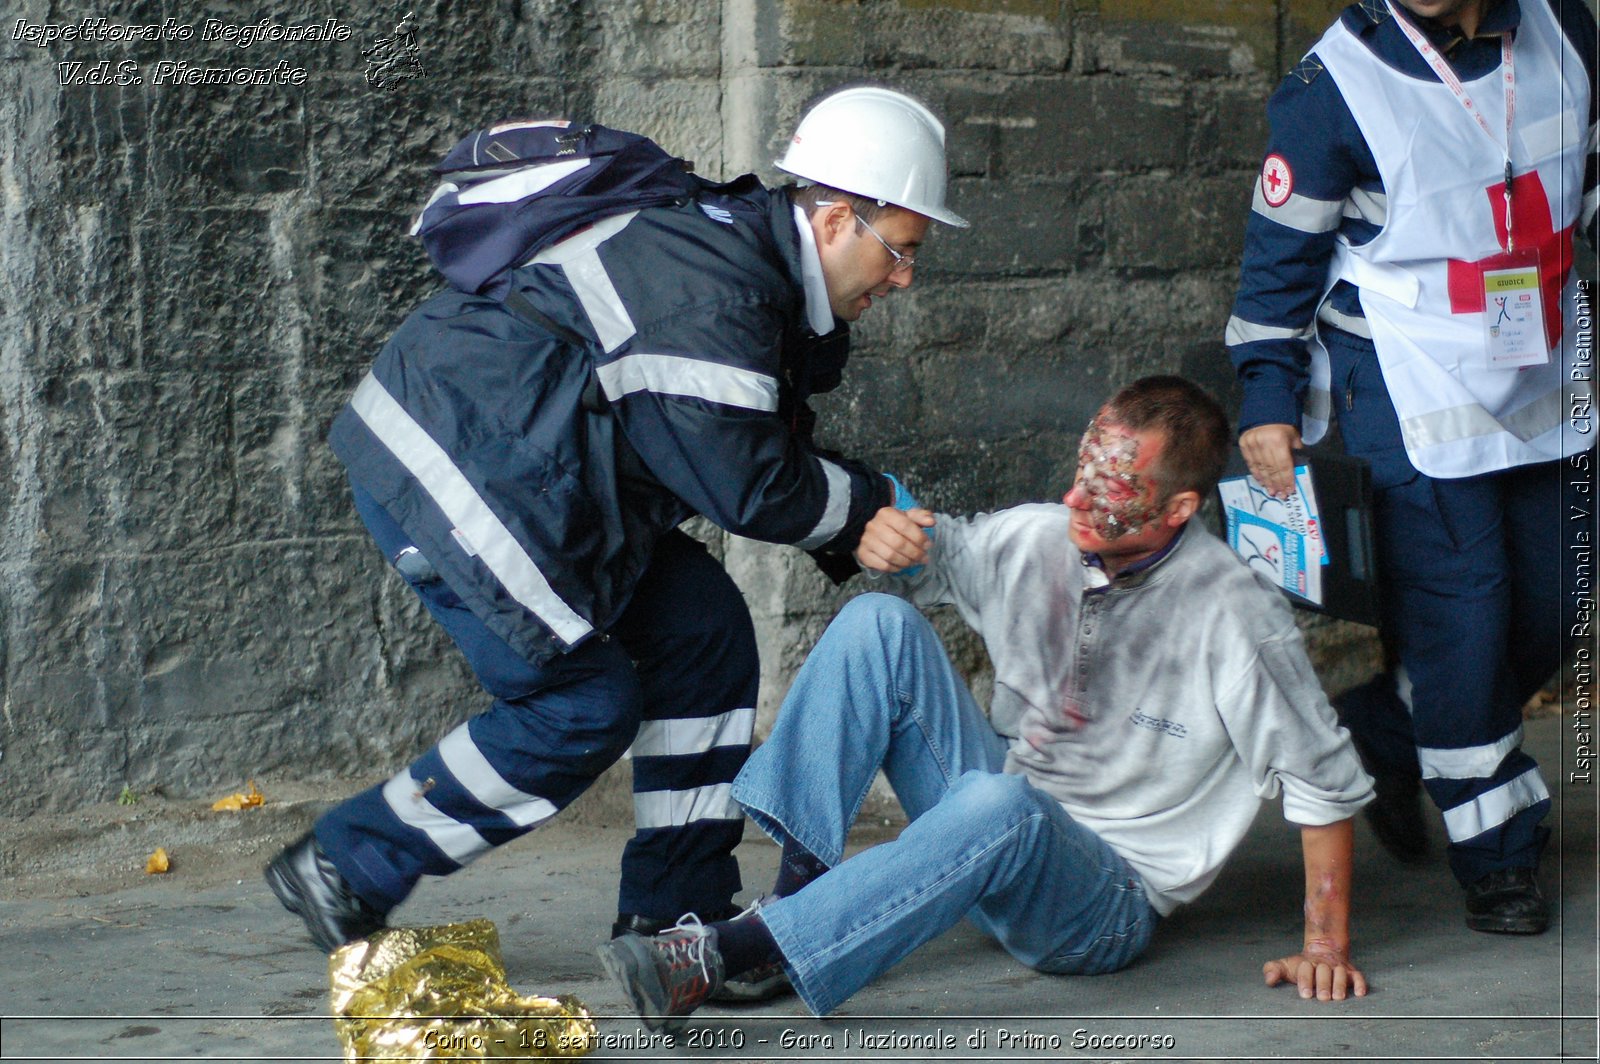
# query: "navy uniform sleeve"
{"points": [[697, 396], [1310, 171], [1579, 24]]}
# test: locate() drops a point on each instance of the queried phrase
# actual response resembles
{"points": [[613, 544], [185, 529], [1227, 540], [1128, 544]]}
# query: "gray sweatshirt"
{"points": [[1159, 710]]}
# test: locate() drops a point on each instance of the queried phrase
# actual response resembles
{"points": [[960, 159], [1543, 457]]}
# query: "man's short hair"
{"points": [[1195, 432], [807, 197]]}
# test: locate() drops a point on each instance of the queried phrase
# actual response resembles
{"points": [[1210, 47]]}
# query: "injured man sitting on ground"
{"points": [[1154, 690]]}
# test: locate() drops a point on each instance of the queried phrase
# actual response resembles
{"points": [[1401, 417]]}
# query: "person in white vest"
{"points": [[1408, 272]]}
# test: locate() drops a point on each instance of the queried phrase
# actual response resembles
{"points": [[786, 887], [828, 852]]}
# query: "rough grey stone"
{"points": [[1155, 225], [196, 277], [1231, 132], [1024, 227]]}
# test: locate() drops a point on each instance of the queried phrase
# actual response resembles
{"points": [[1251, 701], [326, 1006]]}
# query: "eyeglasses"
{"points": [[902, 263]]}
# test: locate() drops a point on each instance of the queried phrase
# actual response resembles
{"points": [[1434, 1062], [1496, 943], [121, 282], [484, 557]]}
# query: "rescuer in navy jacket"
{"points": [[523, 450]]}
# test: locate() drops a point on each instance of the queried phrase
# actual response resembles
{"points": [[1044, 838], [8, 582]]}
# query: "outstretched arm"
{"points": [[1322, 968], [894, 540]]}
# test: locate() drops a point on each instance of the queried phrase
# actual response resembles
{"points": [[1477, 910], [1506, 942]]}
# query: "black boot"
{"points": [[1507, 901], [310, 887]]}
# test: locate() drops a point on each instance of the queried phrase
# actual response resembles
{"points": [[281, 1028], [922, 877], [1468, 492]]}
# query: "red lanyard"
{"points": [[1448, 76]]}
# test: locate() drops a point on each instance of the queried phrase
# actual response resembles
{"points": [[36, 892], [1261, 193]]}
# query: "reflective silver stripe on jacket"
{"points": [[1469, 762], [691, 377], [1493, 808], [693, 735], [835, 513], [674, 809], [465, 508], [579, 258], [1470, 419], [1240, 331], [1300, 212]]}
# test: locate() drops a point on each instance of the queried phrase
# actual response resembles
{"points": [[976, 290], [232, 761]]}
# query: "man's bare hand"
{"points": [[1320, 972], [893, 540], [1266, 450]]}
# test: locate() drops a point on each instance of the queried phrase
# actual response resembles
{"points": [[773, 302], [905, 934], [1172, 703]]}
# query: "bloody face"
{"points": [[1113, 489]]}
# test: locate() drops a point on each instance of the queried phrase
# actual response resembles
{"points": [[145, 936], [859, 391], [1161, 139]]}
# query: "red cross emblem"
{"points": [[1277, 180], [1532, 227]]}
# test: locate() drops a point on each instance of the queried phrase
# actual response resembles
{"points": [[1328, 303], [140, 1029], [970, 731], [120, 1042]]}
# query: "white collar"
{"points": [[819, 313]]}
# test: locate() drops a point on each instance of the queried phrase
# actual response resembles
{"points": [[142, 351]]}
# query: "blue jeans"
{"points": [[879, 691]]}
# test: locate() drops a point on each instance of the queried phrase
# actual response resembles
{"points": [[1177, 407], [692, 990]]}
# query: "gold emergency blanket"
{"points": [[440, 993]]}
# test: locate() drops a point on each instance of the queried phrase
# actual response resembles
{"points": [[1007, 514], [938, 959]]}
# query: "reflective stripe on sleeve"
{"points": [[465, 508], [692, 377], [1240, 331], [1370, 207], [836, 512], [1299, 212]]}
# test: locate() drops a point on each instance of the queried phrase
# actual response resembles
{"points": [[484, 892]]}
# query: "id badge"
{"points": [[1513, 313]]}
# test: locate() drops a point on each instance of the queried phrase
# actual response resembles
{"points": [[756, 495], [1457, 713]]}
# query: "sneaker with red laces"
{"points": [[667, 976], [761, 983]]}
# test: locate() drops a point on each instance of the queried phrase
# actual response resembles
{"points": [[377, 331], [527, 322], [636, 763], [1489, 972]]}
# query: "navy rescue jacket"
{"points": [[536, 471]]}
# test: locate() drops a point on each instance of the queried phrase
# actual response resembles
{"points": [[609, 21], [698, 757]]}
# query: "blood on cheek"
{"points": [[1119, 502]]}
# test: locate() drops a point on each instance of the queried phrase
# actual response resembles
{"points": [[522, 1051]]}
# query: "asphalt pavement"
{"points": [[203, 964]]}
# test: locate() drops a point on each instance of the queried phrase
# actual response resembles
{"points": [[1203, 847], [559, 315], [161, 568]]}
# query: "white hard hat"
{"points": [[875, 143]]}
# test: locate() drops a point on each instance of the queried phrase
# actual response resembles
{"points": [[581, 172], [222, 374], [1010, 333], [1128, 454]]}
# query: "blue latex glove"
{"points": [[904, 500]]}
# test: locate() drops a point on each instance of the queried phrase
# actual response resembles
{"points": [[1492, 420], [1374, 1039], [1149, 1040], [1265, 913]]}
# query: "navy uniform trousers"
{"points": [[675, 680], [1479, 606]]}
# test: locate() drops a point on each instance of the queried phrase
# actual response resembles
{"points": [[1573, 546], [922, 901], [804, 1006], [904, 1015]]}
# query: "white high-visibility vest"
{"points": [[1444, 178]]}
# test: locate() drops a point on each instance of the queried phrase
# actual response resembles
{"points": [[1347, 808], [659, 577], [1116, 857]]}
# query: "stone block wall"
{"points": [[193, 277]]}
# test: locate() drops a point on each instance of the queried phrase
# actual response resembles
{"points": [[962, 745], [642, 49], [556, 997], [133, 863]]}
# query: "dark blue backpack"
{"points": [[510, 190]]}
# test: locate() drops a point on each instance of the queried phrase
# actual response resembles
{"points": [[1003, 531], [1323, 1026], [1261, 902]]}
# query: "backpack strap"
{"points": [[519, 303], [594, 397]]}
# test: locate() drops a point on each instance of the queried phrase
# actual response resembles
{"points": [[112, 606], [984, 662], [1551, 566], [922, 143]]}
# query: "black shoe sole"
{"points": [[1500, 925]]}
